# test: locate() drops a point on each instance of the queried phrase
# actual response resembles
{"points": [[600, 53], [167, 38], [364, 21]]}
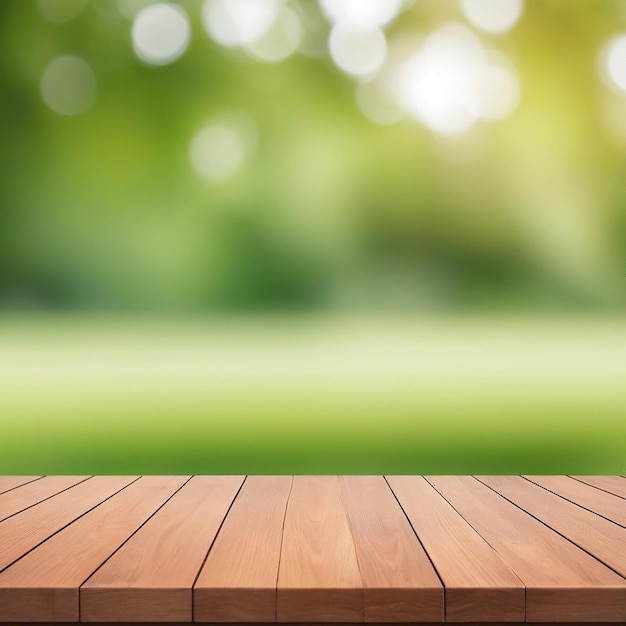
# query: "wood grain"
{"points": [[610, 484], [43, 585], [400, 584], [319, 577], [479, 585], [606, 504], [238, 580], [13, 502], [313, 550], [12, 482], [562, 581], [594, 534], [24, 531], [150, 577]]}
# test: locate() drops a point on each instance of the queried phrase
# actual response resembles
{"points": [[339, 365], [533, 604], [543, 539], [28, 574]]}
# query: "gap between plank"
{"points": [[206, 556], [30, 482], [30, 506], [596, 487], [127, 538], [484, 539], [445, 591], [71, 522], [593, 556], [532, 482], [280, 552]]}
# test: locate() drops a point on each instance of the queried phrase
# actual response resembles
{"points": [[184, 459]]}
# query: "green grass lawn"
{"points": [[312, 395]]}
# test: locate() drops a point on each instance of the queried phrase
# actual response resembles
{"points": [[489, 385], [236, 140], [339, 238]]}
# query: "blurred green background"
{"points": [[278, 236]]}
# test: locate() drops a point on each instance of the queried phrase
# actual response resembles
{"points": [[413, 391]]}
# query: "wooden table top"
{"points": [[313, 549]]}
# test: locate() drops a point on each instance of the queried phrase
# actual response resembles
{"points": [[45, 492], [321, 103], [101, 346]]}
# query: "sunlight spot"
{"points": [[616, 62], [280, 41], [493, 16], [434, 83], [218, 151], [160, 33], [361, 14], [239, 22], [450, 81], [358, 52], [68, 85]]}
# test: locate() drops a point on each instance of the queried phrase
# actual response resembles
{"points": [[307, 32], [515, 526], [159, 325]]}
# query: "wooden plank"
{"points": [[150, 578], [238, 580], [43, 585], [13, 502], [613, 484], [562, 581], [12, 482], [22, 532], [318, 578], [400, 584], [600, 502], [594, 534], [326, 624], [479, 585]]}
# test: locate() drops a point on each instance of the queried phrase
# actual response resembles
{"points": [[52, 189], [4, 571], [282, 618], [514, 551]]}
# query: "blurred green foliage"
{"points": [[103, 211], [330, 214], [284, 395]]}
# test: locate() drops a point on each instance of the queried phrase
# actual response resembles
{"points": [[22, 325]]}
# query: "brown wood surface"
{"points": [[313, 549], [13, 502], [22, 532], [238, 579], [611, 484], [603, 539], [12, 482], [479, 585], [323, 623], [151, 576], [400, 584], [562, 581], [600, 502], [44, 584], [319, 577]]}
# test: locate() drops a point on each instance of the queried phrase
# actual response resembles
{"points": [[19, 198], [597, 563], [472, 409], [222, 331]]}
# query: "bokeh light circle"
{"points": [[433, 84], [68, 85], [493, 16], [160, 33], [451, 82], [358, 52], [219, 149], [239, 22], [361, 14], [280, 41], [616, 62]]}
